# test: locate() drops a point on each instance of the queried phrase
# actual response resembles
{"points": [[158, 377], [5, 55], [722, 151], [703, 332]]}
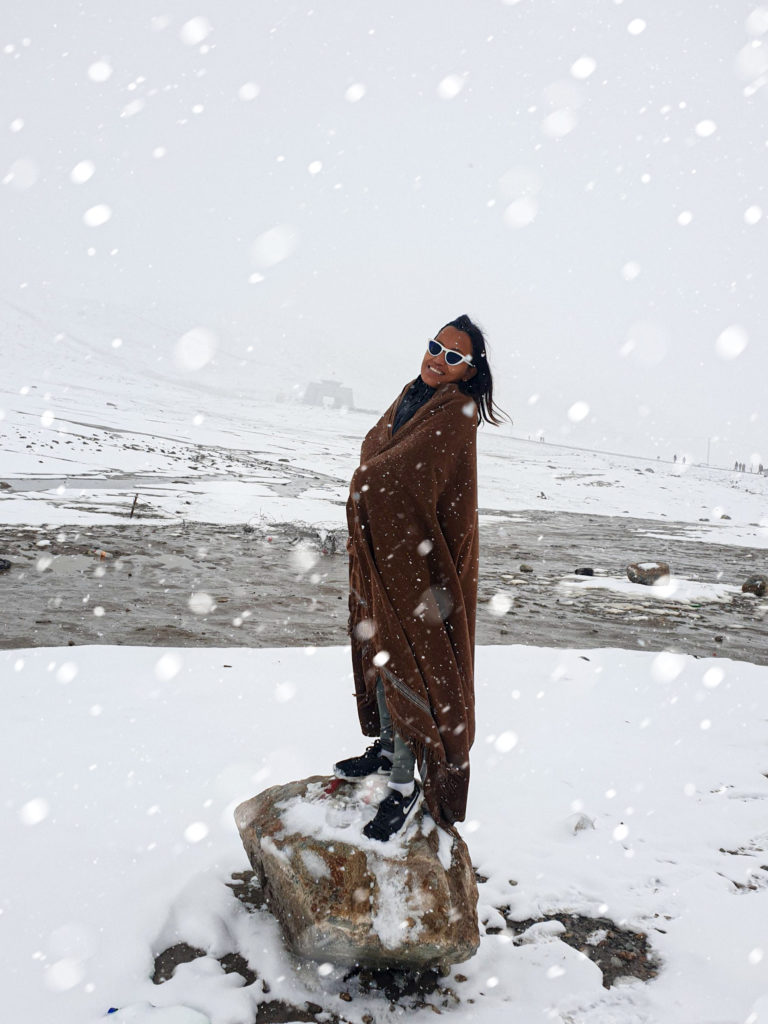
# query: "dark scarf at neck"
{"points": [[413, 399]]}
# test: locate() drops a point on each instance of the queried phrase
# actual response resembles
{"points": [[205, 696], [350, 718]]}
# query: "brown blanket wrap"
{"points": [[412, 610]]}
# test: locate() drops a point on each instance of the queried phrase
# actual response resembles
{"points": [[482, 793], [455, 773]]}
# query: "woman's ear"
{"points": [[470, 373]]}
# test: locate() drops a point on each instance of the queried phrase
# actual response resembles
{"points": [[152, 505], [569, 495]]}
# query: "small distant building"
{"points": [[329, 393]]}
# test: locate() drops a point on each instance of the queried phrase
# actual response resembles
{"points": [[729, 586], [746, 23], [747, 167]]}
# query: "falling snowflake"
{"points": [[22, 174], [450, 87], [64, 974], [195, 31], [500, 604], [506, 741], [66, 672], [100, 71], [82, 172], [34, 811], [559, 123], [731, 342], [705, 128], [757, 22], [713, 677], [583, 67], [196, 831], [578, 411], [521, 212], [667, 666], [167, 666], [201, 603], [97, 215], [273, 246], [195, 349], [753, 215]]}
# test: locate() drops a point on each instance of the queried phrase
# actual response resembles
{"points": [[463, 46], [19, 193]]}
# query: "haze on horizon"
{"points": [[323, 186]]}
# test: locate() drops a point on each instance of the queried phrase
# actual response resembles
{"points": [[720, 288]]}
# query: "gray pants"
{"points": [[403, 762]]}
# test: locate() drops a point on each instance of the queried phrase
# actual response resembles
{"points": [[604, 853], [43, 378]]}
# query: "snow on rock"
{"points": [[347, 899], [648, 573], [669, 588]]}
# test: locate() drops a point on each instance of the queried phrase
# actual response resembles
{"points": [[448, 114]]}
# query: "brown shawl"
{"points": [[413, 555]]}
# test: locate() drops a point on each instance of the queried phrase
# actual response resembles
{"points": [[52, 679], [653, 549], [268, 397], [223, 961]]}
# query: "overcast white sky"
{"points": [[331, 182]]}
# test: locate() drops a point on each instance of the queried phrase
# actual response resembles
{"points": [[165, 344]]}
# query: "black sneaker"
{"points": [[372, 762], [392, 814]]}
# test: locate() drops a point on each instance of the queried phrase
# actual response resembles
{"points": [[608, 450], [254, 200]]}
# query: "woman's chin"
{"points": [[433, 379]]}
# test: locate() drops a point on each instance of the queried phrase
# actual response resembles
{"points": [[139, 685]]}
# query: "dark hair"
{"points": [[479, 387]]}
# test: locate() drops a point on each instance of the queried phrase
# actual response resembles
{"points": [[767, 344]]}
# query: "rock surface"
{"points": [[347, 899], [647, 573], [755, 584]]}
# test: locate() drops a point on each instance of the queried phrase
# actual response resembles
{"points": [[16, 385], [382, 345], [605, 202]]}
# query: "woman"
{"points": [[413, 551]]}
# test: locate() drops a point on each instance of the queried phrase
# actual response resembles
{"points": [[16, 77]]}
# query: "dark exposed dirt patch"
{"points": [[618, 952], [167, 961], [272, 1011], [398, 986], [278, 1012], [245, 888]]}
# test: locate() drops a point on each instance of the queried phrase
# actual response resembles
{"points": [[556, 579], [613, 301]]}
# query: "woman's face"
{"points": [[434, 369]]}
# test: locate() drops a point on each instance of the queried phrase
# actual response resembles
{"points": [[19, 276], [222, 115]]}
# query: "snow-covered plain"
{"points": [[86, 426], [123, 765]]}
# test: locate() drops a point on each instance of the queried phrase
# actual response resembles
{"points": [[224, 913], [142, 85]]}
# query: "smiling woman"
{"points": [[448, 358], [413, 555]]}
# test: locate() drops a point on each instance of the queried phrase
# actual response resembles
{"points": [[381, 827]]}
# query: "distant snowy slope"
{"points": [[101, 392], [90, 356]]}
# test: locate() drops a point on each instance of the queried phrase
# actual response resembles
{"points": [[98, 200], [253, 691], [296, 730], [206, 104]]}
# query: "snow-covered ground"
{"points": [[123, 767]]}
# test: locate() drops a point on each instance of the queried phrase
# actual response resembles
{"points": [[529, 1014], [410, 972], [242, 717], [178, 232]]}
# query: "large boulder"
{"points": [[409, 903], [648, 573]]}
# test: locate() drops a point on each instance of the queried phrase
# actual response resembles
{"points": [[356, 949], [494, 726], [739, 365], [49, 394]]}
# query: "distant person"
{"points": [[413, 556], [674, 458]]}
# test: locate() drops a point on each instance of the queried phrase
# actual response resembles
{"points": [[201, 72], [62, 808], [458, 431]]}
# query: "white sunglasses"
{"points": [[452, 357]]}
